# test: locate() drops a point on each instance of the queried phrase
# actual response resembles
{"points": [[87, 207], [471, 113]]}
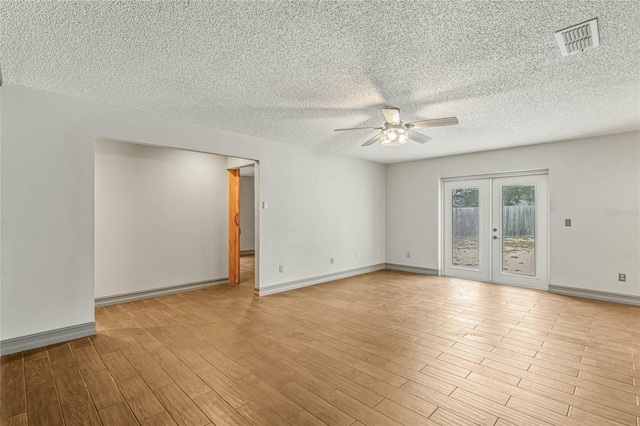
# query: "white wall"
{"points": [[586, 177], [321, 205], [247, 213], [1, 216], [234, 163], [160, 217]]}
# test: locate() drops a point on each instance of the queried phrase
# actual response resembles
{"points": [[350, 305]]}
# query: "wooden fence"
{"points": [[517, 221]]}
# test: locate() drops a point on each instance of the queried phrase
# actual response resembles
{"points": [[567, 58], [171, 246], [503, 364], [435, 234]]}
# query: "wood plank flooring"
{"points": [[385, 348]]}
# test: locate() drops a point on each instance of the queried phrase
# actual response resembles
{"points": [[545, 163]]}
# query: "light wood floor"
{"points": [[384, 348]]}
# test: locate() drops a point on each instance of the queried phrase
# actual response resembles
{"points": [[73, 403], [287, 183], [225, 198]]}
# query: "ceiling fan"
{"points": [[395, 133]]}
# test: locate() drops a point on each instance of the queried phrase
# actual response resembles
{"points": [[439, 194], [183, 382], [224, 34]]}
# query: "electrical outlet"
{"points": [[567, 222], [358, 256], [408, 255], [281, 268], [622, 277], [331, 260]]}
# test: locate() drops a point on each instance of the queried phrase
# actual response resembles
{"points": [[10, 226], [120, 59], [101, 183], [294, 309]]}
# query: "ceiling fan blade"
{"points": [[392, 115], [417, 137], [376, 138], [436, 122], [359, 128]]}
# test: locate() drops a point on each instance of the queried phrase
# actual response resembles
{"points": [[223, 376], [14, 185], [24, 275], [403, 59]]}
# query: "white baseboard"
{"points": [[604, 296], [412, 269], [147, 294], [305, 282], [38, 340]]}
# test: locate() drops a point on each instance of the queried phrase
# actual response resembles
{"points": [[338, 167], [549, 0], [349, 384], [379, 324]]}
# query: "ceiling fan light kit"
{"points": [[395, 133]]}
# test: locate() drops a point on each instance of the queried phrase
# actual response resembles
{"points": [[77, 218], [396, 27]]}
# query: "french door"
{"points": [[495, 229]]}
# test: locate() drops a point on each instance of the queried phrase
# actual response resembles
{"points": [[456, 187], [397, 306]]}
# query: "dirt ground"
{"points": [[465, 252], [518, 254]]}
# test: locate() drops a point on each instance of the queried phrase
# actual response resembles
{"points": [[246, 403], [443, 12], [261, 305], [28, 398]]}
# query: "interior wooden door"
{"points": [[234, 226]]}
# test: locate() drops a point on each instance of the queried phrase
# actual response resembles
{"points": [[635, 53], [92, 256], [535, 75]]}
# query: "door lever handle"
{"points": [[495, 237]]}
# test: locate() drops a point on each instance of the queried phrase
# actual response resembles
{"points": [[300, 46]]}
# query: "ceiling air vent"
{"points": [[578, 38]]}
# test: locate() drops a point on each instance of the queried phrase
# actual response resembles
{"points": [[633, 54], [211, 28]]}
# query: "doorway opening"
{"points": [[495, 229], [241, 218], [161, 220]]}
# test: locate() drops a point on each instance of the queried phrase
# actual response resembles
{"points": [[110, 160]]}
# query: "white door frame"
{"points": [[443, 218]]}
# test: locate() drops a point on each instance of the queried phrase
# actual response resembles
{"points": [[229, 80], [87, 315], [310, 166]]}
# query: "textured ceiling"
{"points": [[294, 71]]}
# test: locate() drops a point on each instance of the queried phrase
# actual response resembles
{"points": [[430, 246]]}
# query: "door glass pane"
{"points": [[518, 229], [465, 232]]}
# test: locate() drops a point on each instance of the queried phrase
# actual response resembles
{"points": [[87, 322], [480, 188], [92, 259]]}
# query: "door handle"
{"points": [[495, 237], [235, 219]]}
